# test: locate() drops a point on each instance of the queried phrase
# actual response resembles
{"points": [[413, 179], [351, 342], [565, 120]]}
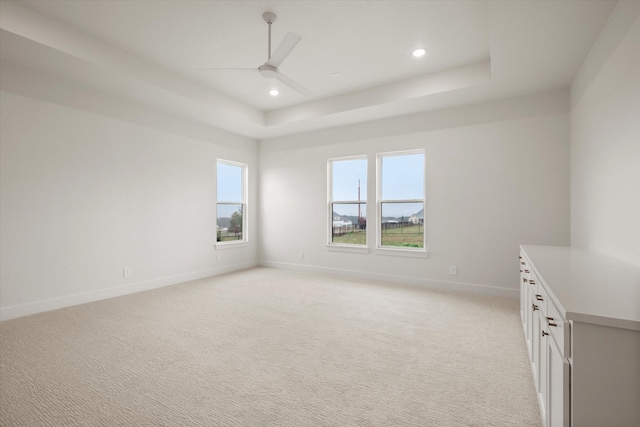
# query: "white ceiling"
{"points": [[151, 51]]}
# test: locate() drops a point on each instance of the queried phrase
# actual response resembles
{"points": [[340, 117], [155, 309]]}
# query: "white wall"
{"points": [[497, 177], [86, 194], [605, 140]]}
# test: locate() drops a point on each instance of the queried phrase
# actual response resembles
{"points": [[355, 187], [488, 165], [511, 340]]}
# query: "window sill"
{"points": [[408, 253], [348, 248], [231, 245]]}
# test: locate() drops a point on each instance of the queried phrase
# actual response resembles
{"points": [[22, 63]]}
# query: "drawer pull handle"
{"points": [[522, 262], [544, 333], [520, 257], [534, 307], [526, 271], [532, 282], [539, 298], [551, 322], [524, 280]]}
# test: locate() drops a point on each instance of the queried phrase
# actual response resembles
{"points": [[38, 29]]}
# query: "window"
{"points": [[348, 201], [401, 200], [232, 202]]}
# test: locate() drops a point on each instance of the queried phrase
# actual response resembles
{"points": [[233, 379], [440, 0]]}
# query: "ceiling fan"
{"points": [[270, 69]]}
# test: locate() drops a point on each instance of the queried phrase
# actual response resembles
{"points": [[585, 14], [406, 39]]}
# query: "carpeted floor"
{"points": [[267, 347]]}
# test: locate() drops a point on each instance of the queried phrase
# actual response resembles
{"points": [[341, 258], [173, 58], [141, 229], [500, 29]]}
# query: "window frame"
{"points": [[244, 202], [400, 250], [349, 247]]}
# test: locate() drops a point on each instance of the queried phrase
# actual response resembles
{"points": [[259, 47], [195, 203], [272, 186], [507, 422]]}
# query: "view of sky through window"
{"points": [[346, 173], [229, 188], [402, 177]]}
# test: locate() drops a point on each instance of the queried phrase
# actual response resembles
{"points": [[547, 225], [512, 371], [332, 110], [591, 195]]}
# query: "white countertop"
{"points": [[588, 286]]}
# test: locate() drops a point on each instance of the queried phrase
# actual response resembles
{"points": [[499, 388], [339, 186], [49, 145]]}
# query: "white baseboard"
{"points": [[398, 279], [35, 307]]}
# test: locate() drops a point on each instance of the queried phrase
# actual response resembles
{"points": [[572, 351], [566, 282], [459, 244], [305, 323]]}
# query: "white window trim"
{"points": [[399, 250], [403, 252], [341, 247], [344, 247], [220, 246], [231, 244]]}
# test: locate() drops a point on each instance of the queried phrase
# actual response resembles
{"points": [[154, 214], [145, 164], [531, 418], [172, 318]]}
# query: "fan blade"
{"points": [[284, 49], [293, 84], [236, 69]]}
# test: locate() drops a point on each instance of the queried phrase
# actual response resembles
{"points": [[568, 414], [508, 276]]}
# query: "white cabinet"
{"points": [[538, 331], [557, 383], [525, 303], [580, 312]]}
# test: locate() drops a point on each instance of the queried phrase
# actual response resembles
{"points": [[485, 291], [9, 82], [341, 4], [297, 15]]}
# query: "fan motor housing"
{"points": [[268, 71]]}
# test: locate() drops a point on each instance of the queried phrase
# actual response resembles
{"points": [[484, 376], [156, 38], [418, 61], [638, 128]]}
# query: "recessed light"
{"points": [[419, 52], [336, 74], [274, 92]]}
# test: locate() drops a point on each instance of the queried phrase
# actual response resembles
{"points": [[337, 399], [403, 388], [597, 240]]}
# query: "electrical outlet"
{"points": [[126, 272], [300, 255], [453, 270]]}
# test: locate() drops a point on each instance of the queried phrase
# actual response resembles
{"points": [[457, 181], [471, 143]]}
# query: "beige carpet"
{"points": [[266, 347]]}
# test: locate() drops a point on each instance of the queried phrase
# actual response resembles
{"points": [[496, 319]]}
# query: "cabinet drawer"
{"points": [[558, 329], [525, 268], [531, 280], [538, 294]]}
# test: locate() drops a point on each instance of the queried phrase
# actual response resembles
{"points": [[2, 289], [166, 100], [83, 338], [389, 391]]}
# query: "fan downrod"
{"points": [[269, 17]]}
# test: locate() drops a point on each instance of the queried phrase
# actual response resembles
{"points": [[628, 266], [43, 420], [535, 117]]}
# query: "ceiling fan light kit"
{"points": [[419, 52]]}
